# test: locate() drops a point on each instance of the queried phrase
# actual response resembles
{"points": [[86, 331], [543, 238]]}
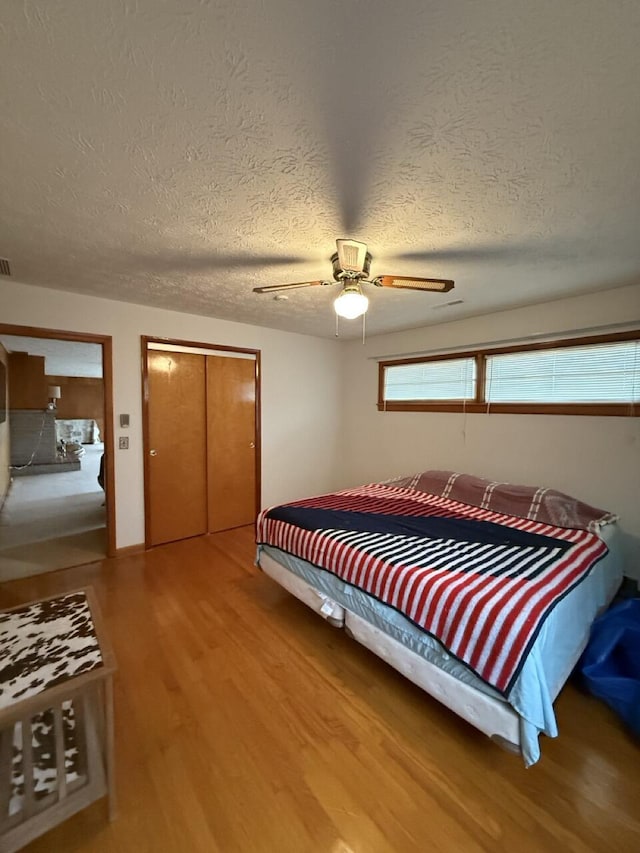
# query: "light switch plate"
{"points": [[123, 442]]}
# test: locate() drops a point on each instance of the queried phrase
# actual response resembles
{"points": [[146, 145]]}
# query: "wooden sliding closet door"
{"points": [[231, 440], [177, 464]]}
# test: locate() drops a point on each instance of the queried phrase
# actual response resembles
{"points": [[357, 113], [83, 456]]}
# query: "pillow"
{"points": [[537, 504]]}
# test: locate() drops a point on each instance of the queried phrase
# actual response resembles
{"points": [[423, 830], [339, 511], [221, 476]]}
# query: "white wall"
{"points": [[300, 389], [320, 425], [596, 459]]}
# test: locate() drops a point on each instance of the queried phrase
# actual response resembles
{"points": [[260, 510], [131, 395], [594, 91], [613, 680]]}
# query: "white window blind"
{"points": [[595, 373], [450, 379]]}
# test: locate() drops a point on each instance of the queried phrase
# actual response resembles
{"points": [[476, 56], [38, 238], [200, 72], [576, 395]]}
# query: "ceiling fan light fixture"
{"points": [[351, 303], [351, 267]]}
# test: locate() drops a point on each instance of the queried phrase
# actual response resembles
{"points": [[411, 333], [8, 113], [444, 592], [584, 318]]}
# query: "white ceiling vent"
{"points": [[5, 268]]}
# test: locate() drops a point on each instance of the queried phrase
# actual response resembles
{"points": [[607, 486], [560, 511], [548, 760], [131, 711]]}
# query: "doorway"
{"points": [[201, 429], [57, 491]]}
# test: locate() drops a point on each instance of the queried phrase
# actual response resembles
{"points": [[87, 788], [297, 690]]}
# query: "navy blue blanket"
{"points": [[432, 527]]}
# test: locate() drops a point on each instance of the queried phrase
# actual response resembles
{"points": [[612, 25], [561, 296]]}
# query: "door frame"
{"points": [[145, 340], [105, 341]]}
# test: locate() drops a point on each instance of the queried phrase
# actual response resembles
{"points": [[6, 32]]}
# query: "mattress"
{"points": [[548, 664]]}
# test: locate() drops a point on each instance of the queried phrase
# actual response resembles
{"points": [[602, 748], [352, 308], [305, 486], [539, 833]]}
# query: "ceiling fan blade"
{"points": [[276, 288], [209, 262], [406, 282], [505, 252], [476, 254]]}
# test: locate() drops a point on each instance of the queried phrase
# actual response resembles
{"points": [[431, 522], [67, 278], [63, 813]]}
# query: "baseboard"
{"points": [[3, 499], [130, 550]]}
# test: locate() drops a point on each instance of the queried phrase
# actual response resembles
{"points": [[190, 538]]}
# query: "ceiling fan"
{"points": [[351, 265]]}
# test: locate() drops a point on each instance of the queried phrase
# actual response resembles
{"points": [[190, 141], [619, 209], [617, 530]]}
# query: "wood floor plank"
{"points": [[246, 724]]}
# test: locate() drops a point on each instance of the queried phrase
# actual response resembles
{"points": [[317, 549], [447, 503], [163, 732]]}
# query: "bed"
{"points": [[481, 593]]}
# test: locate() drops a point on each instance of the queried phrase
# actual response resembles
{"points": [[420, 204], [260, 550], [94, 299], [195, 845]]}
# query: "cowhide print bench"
{"points": [[56, 715]]}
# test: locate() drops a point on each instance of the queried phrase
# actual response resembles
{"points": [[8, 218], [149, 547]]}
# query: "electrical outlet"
{"points": [[123, 442]]}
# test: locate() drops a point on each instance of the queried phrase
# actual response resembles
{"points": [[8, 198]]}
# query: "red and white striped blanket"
{"points": [[480, 582]]}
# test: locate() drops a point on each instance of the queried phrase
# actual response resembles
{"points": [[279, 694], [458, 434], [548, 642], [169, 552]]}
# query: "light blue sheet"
{"points": [[549, 663]]}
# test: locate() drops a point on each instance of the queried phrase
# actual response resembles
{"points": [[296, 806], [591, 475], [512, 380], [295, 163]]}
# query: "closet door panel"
{"points": [[177, 463], [231, 441]]}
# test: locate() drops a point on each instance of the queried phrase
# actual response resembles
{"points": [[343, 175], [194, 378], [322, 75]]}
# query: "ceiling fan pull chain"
{"points": [[364, 323], [464, 422], [337, 325]]}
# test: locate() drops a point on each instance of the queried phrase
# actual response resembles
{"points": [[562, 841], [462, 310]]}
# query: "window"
{"points": [[600, 373], [444, 379], [594, 376]]}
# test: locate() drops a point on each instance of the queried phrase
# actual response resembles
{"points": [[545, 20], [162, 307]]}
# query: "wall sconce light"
{"points": [[54, 396]]}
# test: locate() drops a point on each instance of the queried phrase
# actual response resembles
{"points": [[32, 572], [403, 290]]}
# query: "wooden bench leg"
{"points": [[109, 747]]}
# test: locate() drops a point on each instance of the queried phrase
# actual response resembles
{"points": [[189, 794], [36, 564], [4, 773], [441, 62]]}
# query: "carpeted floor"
{"points": [[53, 521]]}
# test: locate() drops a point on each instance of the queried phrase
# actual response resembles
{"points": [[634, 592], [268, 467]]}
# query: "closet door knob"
{"points": [[252, 444], [153, 453]]}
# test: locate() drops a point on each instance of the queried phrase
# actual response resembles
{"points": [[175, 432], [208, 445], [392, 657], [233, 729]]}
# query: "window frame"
{"points": [[480, 405]]}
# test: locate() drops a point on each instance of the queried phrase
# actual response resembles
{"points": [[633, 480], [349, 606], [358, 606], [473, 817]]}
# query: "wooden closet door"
{"points": [[177, 462], [231, 440]]}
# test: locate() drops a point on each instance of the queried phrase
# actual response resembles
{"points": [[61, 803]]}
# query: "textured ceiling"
{"points": [[62, 358], [180, 153]]}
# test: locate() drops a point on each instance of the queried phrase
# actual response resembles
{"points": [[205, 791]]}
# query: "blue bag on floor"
{"points": [[610, 665]]}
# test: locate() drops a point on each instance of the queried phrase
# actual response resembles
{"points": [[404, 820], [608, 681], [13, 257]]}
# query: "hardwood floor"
{"points": [[246, 724]]}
